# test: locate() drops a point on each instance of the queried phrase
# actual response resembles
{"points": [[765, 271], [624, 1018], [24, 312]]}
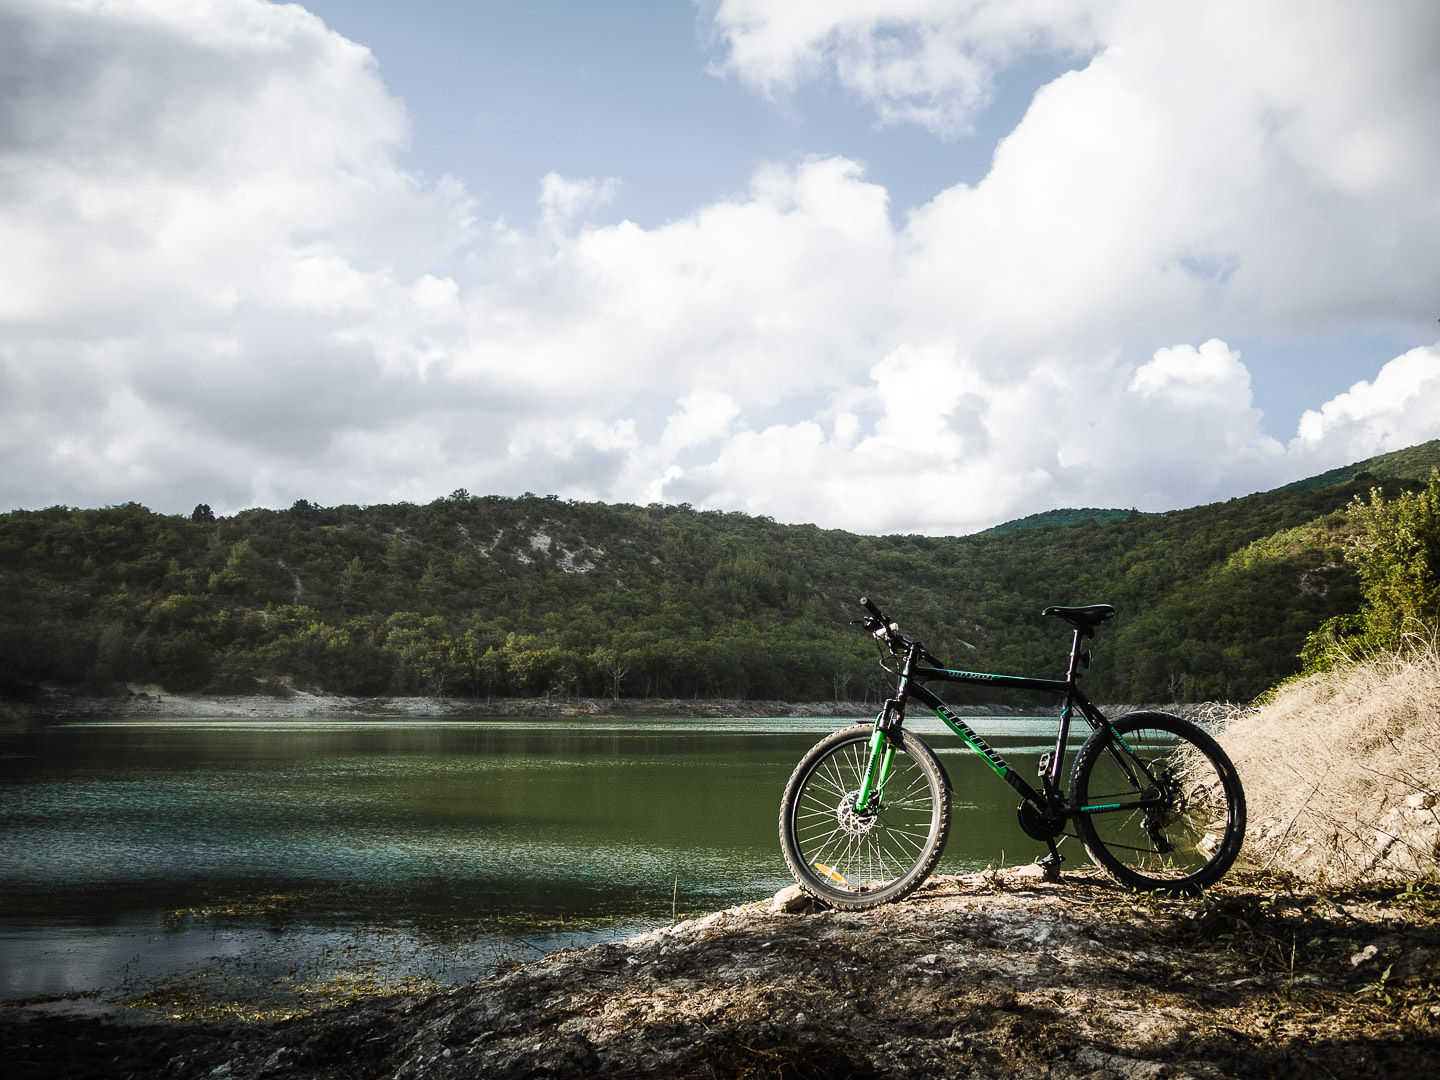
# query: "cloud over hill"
{"points": [[220, 284]]}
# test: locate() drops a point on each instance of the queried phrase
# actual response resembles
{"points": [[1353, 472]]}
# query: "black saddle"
{"points": [[1084, 619]]}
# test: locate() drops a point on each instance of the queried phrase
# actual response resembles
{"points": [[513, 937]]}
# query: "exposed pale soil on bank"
{"points": [[988, 975], [152, 702], [298, 704]]}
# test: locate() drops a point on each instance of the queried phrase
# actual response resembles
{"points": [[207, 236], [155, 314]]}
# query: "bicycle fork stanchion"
{"points": [[882, 743], [880, 761]]}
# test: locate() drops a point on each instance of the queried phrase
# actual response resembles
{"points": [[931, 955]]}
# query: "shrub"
{"points": [[1396, 553]]}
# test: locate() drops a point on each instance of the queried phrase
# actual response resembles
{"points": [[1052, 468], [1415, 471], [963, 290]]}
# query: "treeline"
{"points": [[485, 595]]}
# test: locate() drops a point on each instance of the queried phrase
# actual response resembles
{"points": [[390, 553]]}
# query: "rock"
{"points": [[792, 900], [1367, 953]]}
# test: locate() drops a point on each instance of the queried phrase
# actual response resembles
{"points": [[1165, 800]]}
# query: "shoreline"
{"points": [[144, 702], [996, 974]]}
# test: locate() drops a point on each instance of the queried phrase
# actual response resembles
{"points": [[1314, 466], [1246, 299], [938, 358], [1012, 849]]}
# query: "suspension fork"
{"points": [[883, 740], [880, 761]]}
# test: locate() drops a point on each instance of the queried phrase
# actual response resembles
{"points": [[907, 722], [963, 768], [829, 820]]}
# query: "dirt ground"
{"points": [[987, 975]]}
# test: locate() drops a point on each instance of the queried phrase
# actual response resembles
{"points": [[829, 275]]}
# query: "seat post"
{"points": [[1072, 675]]}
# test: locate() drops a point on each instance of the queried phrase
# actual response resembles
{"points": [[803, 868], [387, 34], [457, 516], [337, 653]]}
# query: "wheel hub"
{"points": [[851, 820], [1161, 817]]}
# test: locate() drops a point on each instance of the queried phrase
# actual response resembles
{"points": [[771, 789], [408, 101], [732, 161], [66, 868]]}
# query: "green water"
{"points": [[131, 851]]}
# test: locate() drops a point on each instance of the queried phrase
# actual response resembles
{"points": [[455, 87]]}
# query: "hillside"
{"points": [[1066, 516], [484, 595]]}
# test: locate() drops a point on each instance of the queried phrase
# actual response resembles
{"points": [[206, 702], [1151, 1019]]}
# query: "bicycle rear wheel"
{"points": [[857, 861], [1192, 823]]}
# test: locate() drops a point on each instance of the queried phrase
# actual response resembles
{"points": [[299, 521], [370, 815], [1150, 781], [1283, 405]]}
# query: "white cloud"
{"points": [[704, 415], [212, 265], [760, 295], [218, 285], [931, 62], [562, 201], [955, 449], [1193, 378], [1400, 408]]}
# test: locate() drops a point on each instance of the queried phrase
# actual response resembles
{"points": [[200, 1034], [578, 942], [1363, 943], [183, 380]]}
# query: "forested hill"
{"points": [[488, 595], [1067, 516]]}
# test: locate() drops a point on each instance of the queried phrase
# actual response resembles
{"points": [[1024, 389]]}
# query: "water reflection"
{"points": [[136, 848]]}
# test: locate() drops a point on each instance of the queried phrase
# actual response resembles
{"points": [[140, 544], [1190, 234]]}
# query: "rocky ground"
{"points": [[988, 975]]}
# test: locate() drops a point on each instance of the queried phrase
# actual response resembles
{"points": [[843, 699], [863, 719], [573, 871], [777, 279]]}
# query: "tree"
{"points": [[613, 666], [249, 574], [1397, 556], [202, 512], [422, 650], [483, 664]]}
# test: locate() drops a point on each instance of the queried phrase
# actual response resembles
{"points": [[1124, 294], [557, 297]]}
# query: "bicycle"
{"points": [[1154, 799]]}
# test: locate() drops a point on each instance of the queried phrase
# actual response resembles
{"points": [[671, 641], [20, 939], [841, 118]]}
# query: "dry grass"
{"points": [[1342, 772]]}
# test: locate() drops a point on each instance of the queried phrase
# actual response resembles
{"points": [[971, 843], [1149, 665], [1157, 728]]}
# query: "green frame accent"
{"points": [[876, 773]]}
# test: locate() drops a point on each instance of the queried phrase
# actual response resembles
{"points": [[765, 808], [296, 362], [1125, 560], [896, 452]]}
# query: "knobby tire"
{"points": [[855, 861], [1192, 831]]}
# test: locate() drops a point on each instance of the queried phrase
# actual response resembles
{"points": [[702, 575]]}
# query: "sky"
{"points": [[913, 266]]}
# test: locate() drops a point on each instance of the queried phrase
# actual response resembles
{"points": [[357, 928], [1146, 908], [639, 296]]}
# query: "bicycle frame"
{"points": [[1049, 800], [1153, 798]]}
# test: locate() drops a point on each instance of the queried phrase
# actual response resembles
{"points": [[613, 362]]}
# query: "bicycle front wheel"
{"points": [[1158, 804], [852, 860]]}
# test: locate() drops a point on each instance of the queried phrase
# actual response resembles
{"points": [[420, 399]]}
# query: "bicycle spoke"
{"points": [[1191, 825], [849, 852]]}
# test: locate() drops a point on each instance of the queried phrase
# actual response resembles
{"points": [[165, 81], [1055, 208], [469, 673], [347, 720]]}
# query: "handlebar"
{"points": [[888, 632]]}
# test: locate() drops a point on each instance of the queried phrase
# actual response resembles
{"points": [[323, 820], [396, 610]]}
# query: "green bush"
{"points": [[1396, 553]]}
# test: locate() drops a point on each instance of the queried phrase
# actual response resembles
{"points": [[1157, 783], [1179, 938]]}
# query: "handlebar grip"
{"points": [[868, 606]]}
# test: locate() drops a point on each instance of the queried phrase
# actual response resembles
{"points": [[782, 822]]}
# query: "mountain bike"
{"points": [[1153, 798]]}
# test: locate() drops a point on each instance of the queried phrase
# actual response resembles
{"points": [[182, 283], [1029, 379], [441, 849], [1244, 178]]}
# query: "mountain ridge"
{"points": [[493, 596]]}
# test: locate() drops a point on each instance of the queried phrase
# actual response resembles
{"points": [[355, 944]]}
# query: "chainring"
{"points": [[1037, 825]]}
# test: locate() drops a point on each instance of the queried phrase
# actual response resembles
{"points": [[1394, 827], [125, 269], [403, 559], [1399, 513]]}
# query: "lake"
{"points": [[295, 857]]}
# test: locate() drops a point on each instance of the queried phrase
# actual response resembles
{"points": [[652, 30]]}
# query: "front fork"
{"points": [[881, 759]]}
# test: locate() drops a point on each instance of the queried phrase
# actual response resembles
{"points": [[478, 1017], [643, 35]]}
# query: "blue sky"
{"points": [[502, 93], [905, 266]]}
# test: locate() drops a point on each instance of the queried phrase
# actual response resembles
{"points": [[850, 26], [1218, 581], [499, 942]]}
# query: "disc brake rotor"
{"points": [[854, 823]]}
